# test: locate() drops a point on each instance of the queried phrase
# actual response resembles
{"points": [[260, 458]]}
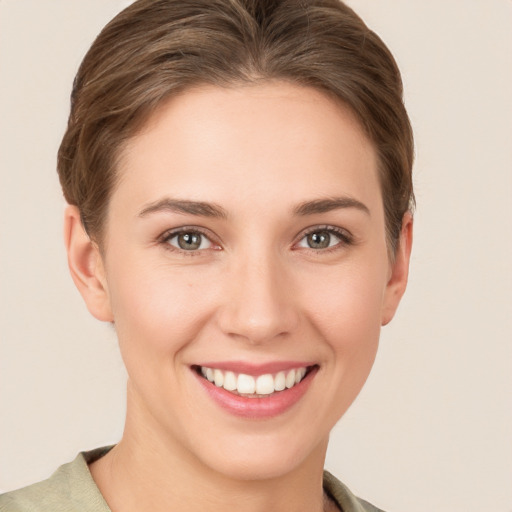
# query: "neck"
{"points": [[148, 471]]}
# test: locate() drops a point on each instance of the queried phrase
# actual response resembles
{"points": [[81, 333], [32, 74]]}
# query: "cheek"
{"points": [[157, 309], [348, 310]]}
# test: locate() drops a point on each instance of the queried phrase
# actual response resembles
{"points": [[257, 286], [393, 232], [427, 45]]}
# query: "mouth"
{"points": [[254, 386], [255, 393]]}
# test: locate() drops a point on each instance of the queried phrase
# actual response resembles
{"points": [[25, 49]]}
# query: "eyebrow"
{"points": [[185, 206], [329, 204], [205, 209]]}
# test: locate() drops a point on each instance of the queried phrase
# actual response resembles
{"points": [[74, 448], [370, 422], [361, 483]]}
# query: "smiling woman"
{"points": [[239, 185]]}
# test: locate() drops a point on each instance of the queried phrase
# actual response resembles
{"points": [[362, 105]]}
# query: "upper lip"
{"points": [[254, 369]]}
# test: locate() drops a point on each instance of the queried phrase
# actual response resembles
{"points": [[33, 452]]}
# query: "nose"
{"points": [[259, 303]]}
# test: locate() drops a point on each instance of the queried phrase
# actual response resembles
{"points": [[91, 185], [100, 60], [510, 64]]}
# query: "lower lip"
{"points": [[258, 408]]}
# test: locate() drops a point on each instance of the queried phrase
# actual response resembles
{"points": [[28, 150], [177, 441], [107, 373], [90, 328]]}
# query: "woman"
{"points": [[239, 182]]}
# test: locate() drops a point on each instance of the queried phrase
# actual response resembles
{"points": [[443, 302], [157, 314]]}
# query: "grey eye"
{"points": [[323, 238], [319, 240], [189, 241]]}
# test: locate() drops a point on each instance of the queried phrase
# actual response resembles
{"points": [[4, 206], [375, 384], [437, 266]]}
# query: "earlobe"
{"points": [[397, 283], [86, 266]]}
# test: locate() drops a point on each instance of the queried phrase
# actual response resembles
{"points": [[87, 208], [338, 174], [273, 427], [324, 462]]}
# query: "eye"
{"points": [[188, 240], [324, 238]]}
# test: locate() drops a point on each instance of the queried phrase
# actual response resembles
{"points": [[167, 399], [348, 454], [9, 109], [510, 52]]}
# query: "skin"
{"points": [[255, 292]]}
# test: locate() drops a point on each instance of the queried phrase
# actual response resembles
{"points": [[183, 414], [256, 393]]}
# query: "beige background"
{"points": [[432, 429]]}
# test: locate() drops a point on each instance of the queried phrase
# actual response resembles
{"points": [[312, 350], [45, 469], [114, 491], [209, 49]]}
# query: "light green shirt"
{"points": [[72, 489]]}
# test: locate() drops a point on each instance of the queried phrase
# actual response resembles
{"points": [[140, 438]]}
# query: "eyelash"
{"points": [[169, 235], [344, 237]]}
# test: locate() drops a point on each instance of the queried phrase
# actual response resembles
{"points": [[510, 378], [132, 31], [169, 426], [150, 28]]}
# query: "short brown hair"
{"points": [[156, 48]]}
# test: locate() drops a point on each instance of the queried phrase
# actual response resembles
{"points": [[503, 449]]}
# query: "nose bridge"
{"points": [[259, 303]]}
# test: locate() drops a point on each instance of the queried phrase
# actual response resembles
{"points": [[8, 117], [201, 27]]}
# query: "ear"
{"points": [[399, 271], [86, 266]]}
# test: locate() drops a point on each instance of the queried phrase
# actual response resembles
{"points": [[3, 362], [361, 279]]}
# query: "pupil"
{"points": [[189, 241], [319, 240]]}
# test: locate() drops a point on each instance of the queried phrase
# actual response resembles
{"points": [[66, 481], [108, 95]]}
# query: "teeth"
{"points": [[265, 384], [290, 379], [245, 384], [218, 378], [248, 385], [230, 381], [280, 381]]}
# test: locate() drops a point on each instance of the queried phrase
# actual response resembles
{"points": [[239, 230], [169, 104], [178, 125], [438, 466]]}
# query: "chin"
{"points": [[262, 458]]}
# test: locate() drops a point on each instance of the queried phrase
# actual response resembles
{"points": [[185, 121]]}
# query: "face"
{"points": [[247, 274]]}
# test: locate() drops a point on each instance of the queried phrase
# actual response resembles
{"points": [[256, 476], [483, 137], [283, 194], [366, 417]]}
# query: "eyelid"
{"points": [[346, 238], [173, 232]]}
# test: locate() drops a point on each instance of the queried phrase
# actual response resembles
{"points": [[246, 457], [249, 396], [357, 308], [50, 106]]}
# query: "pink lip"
{"points": [[255, 369], [257, 408]]}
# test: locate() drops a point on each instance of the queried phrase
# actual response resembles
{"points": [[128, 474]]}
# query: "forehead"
{"points": [[253, 143]]}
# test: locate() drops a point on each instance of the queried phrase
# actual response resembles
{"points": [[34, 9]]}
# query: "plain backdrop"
{"points": [[432, 429]]}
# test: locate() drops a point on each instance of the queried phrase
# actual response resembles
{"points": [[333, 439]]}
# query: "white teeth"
{"points": [[248, 385], [265, 384], [280, 381], [218, 378], [230, 381], [299, 374], [245, 384], [290, 379]]}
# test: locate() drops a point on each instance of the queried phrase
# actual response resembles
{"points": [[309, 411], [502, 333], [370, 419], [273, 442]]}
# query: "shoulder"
{"points": [[346, 501], [70, 489]]}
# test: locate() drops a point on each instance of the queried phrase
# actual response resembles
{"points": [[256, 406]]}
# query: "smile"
{"points": [[255, 392], [251, 386]]}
